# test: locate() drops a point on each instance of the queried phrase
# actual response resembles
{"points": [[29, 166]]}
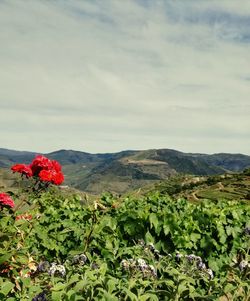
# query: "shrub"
{"points": [[148, 248]]}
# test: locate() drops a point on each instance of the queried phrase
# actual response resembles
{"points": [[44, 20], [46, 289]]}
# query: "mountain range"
{"points": [[127, 170]]}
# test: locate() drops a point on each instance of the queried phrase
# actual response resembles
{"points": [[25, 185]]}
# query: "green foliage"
{"points": [[147, 248]]}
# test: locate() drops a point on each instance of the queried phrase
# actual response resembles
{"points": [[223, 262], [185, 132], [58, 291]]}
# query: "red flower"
{"points": [[46, 175], [23, 169], [5, 200], [40, 163], [56, 166], [47, 170], [25, 216], [58, 178], [51, 176]]}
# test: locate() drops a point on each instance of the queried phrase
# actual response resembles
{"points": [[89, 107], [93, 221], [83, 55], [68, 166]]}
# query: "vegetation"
{"points": [[143, 247]]}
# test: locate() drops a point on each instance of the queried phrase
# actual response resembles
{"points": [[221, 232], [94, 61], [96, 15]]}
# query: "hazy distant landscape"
{"points": [[128, 170]]}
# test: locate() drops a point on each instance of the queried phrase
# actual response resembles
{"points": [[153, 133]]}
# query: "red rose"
{"points": [[56, 166], [40, 163], [46, 175], [5, 200], [58, 178], [23, 169], [51, 176], [47, 170]]}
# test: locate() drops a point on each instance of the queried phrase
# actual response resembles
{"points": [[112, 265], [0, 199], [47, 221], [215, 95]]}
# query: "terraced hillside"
{"points": [[229, 186]]}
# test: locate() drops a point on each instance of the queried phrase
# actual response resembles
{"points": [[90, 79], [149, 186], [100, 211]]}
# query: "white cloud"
{"points": [[139, 74]]}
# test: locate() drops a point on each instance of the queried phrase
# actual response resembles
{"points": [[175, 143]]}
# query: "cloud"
{"points": [[142, 74]]}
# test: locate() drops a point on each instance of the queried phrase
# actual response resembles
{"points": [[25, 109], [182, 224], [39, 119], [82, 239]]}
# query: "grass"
{"points": [[215, 194]]}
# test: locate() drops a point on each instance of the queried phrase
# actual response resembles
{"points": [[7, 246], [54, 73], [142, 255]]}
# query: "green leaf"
{"points": [[222, 233], [26, 281], [107, 296], [6, 287], [111, 285], [213, 265], [195, 236], [73, 279], [229, 287], [150, 297], [80, 285], [153, 219], [131, 295], [5, 257], [57, 296], [166, 229], [182, 288], [149, 238], [59, 286], [70, 294]]}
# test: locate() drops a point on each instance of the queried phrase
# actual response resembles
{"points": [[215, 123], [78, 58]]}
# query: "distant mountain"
{"points": [[9, 157], [127, 170], [233, 162], [76, 157]]}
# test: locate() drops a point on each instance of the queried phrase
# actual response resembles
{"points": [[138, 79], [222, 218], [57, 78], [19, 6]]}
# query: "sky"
{"points": [[110, 75]]}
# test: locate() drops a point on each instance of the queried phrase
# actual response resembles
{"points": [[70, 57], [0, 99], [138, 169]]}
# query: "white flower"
{"points": [[141, 263], [125, 264], [243, 265], [210, 273], [201, 266], [57, 269], [152, 270]]}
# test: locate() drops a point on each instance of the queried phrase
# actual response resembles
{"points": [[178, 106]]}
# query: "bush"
{"points": [[148, 248]]}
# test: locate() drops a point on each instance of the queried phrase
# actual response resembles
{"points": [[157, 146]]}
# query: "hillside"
{"points": [[8, 180], [231, 186], [128, 170]]}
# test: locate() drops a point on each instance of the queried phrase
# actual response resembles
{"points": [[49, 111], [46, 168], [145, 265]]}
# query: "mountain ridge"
{"points": [[130, 169]]}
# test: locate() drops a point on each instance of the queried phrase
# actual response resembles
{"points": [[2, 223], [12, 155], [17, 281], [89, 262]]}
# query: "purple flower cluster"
{"points": [[40, 297], [43, 267], [150, 247], [52, 269], [247, 231], [79, 259], [135, 265], [191, 259], [197, 262]]}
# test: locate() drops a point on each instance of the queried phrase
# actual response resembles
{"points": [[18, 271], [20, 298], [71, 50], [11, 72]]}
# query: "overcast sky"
{"points": [[110, 75]]}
